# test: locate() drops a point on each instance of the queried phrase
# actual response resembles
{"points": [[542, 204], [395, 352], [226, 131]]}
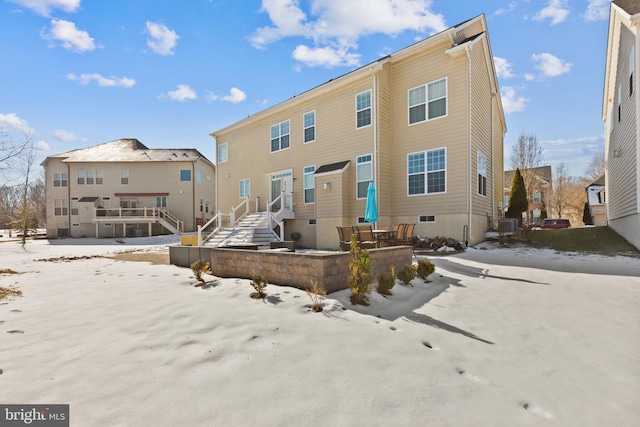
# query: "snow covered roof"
{"points": [[129, 150]]}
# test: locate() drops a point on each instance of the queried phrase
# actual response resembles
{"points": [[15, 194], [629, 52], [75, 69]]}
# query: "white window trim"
{"points": [[246, 181], [426, 221], [426, 173], [370, 107], [225, 148], [368, 180], [280, 135], [304, 128], [426, 102], [478, 174], [304, 175]]}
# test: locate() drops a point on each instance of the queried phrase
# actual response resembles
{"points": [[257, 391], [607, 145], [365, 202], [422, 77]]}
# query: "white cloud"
{"points": [[102, 81], [556, 11], [511, 102], [12, 122], [235, 96], [42, 146], [503, 67], [161, 39], [66, 135], [550, 65], [529, 77], [510, 8], [182, 93], [336, 25], [597, 10], [325, 56], [70, 37], [44, 7]]}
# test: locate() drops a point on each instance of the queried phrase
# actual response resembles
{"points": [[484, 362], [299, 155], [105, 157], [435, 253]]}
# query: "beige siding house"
{"points": [[122, 188], [424, 124], [621, 114]]}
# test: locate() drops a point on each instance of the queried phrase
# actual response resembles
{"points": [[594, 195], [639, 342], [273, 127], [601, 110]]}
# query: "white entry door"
{"points": [[282, 182]]}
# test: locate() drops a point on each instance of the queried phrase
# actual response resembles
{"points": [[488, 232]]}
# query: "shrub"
{"points": [[361, 274], [315, 292], [259, 283], [424, 269], [199, 268], [407, 274], [386, 281]]}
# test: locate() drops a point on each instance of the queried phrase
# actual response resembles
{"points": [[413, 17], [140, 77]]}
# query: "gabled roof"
{"points": [[542, 174], [599, 181], [455, 35], [128, 150]]}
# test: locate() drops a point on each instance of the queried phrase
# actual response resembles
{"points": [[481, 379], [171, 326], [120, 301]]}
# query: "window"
{"points": [[124, 176], [619, 102], [427, 218], [185, 175], [482, 174], [99, 177], [106, 202], [75, 224], [309, 123], [201, 204], [90, 178], [161, 201], [60, 179], [363, 109], [280, 136], [74, 206], [309, 184], [417, 104], [364, 175], [198, 177], [81, 175], [632, 64], [245, 188], [206, 205], [311, 222], [428, 101], [223, 152], [61, 207], [537, 197], [426, 172]]}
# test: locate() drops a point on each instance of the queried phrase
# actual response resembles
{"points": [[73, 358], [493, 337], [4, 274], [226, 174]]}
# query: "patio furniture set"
{"points": [[380, 237]]}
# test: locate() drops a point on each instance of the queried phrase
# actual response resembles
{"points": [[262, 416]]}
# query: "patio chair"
{"points": [[397, 234], [365, 237], [344, 234]]}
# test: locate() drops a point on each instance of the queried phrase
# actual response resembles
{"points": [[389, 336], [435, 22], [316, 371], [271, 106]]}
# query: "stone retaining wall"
{"points": [[330, 270]]}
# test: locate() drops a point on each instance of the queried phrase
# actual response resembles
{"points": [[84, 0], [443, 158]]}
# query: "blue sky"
{"points": [[78, 73]]}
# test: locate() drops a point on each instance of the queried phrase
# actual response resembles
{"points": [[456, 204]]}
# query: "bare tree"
{"points": [[568, 195], [27, 159], [526, 156], [596, 168], [12, 144]]}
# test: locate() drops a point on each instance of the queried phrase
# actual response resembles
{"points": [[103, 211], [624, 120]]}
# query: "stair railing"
{"points": [[274, 217], [217, 219], [171, 219], [234, 218]]}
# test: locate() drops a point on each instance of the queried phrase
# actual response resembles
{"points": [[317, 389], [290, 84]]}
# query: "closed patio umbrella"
{"points": [[371, 213]]}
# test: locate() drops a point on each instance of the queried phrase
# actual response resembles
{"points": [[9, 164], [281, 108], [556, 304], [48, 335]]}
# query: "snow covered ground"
{"points": [[499, 337]]}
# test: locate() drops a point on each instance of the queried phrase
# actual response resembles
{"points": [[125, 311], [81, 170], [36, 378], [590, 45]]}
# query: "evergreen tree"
{"points": [[586, 215], [518, 202]]}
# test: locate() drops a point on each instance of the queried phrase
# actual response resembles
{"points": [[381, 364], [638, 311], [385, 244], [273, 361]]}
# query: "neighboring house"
{"points": [[542, 189], [621, 114], [425, 124], [597, 201], [123, 188]]}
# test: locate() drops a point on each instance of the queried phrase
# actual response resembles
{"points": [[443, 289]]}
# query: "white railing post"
{"points": [[257, 204]]}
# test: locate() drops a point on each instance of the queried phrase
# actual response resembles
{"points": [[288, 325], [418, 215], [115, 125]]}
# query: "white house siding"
{"points": [[622, 143]]}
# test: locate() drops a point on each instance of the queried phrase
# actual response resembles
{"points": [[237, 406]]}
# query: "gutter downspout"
{"points": [[68, 200], [193, 193], [493, 192], [470, 217], [374, 105]]}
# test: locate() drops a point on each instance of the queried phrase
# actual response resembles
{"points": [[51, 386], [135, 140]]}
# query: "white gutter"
{"points": [[470, 219]]}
